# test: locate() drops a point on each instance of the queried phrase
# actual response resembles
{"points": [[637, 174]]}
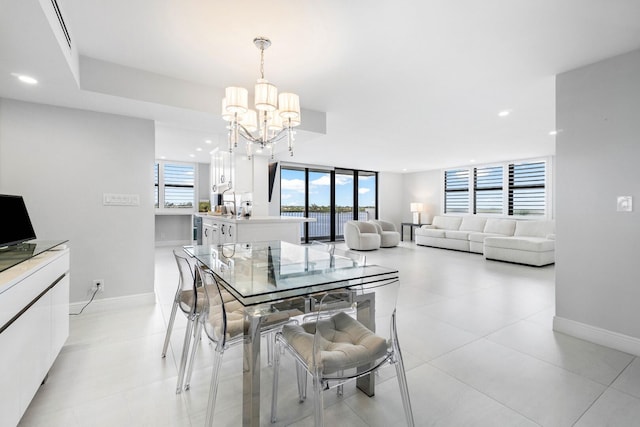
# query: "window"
{"points": [[175, 185], [332, 197], [367, 195], [456, 191], [527, 189], [510, 189], [487, 189], [157, 184]]}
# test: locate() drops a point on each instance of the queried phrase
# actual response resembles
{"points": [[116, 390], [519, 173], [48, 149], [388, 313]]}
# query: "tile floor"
{"points": [[476, 337]]}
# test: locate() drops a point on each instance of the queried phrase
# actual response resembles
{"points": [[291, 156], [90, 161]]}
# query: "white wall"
{"points": [[597, 154], [422, 187], [62, 161], [390, 206]]}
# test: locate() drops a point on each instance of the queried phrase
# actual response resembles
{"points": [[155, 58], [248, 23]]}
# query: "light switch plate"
{"points": [[625, 203], [111, 199]]}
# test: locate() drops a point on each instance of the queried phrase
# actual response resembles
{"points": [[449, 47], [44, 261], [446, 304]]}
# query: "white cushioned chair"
{"points": [[389, 236], [361, 236], [339, 348]]}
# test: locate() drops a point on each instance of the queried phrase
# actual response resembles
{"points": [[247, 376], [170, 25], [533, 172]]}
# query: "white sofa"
{"points": [[520, 241], [361, 235], [389, 236], [532, 243]]}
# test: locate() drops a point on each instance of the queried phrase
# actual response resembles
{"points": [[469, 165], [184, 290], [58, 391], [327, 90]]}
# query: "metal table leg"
{"points": [[251, 371]]}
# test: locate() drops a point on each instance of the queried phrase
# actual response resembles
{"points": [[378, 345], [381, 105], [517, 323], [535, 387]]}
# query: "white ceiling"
{"points": [[405, 85]]}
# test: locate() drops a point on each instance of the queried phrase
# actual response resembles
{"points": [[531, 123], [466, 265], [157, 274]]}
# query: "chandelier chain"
{"points": [[262, 62]]}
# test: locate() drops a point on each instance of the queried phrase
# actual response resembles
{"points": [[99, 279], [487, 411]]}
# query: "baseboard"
{"points": [[106, 304], [597, 335]]}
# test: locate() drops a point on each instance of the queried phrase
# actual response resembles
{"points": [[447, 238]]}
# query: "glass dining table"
{"points": [[272, 276]]}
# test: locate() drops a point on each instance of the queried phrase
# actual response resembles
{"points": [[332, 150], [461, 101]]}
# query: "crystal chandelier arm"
{"points": [[248, 136]]}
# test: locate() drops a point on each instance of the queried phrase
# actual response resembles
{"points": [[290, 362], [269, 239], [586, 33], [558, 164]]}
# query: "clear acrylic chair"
{"points": [[190, 301], [223, 321], [339, 348]]}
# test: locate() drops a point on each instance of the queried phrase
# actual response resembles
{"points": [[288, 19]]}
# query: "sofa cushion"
{"points": [[456, 234], [505, 227], [530, 244], [534, 228], [472, 223], [479, 237], [446, 222], [430, 232]]}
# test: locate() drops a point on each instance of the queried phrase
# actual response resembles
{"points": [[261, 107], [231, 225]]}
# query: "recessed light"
{"points": [[25, 79], [163, 157], [504, 113], [207, 141], [404, 169], [212, 151], [192, 155], [555, 132], [198, 149], [472, 160]]}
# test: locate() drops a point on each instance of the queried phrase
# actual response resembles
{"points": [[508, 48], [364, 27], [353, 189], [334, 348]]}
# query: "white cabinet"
{"points": [[217, 231], [210, 233], [34, 324], [227, 232]]}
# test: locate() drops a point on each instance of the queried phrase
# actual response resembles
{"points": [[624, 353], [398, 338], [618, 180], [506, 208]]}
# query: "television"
{"points": [[15, 227]]}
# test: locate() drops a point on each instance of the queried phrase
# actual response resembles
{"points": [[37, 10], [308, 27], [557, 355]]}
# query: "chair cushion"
{"points": [[344, 343], [389, 239]]}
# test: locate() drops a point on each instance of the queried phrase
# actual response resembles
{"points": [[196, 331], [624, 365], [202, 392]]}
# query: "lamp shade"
{"points": [[250, 121], [275, 121], [266, 96], [226, 116], [237, 99], [293, 121], [416, 207], [289, 105]]}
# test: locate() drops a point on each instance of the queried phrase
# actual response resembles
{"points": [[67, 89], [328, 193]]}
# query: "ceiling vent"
{"points": [[63, 26]]}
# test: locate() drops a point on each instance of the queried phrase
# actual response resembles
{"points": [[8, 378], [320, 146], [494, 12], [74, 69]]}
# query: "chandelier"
{"points": [[273, 119]]}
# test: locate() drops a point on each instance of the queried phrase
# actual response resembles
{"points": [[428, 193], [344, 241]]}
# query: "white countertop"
{"points": [[257, 219]]}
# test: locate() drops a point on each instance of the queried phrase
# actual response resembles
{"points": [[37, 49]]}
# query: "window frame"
{"points": [[161, 186], [335, 235], [506, 188], [476, 189], [454, 190]]}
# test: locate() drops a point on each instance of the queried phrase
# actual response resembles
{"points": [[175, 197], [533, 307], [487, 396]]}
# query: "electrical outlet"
{"points": [[98, 284]]}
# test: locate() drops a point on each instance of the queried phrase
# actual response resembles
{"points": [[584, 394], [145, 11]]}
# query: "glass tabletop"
{"points": [[261, 272]]}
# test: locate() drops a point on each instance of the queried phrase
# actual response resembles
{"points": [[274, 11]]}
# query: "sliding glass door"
{"points": [[331, 197], [319, 205], [367, 195], [293, 194], [344, 195]]}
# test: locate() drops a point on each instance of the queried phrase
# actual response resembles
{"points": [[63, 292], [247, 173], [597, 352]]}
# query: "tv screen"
{"points": [[16, 225]]}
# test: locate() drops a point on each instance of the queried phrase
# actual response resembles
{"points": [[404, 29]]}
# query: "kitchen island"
{"points": [[219, 229]]}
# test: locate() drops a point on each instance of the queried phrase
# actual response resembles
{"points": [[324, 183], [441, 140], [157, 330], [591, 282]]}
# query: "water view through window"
{"points": [[310, 192]]}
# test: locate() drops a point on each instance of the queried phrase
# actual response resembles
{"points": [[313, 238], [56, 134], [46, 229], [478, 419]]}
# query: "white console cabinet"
{"points": [[34, 325]]}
